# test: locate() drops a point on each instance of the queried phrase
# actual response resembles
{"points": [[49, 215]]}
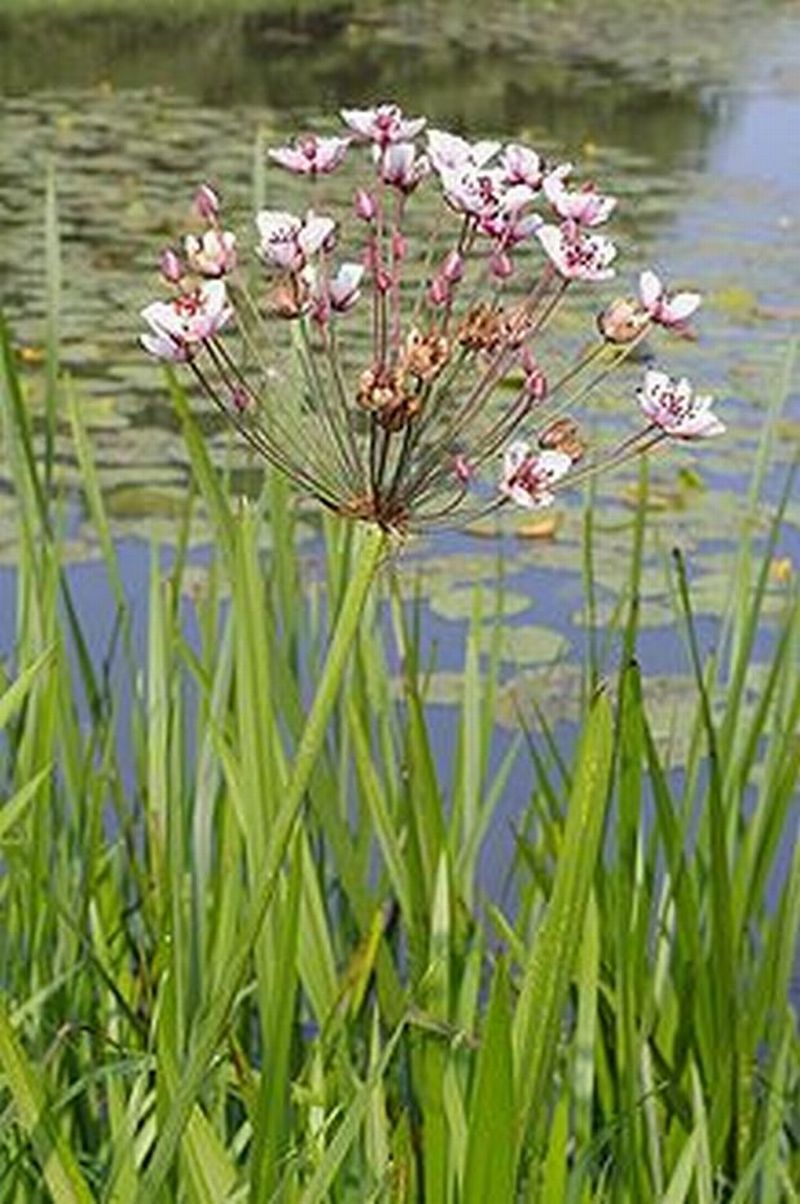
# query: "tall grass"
{"points": [[204, 1000]]}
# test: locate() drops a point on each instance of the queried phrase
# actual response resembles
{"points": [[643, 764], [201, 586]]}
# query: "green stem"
{"points": [[212, 1024]]}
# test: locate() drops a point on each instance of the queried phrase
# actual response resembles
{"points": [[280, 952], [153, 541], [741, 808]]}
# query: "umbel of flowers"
{"points": [[401, 383]]}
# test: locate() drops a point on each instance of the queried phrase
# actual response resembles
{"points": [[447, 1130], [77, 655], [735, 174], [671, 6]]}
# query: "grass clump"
{"points": [[204, 1000]]}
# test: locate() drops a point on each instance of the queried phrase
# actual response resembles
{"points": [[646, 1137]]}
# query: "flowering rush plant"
{"points": [[403, 384]]}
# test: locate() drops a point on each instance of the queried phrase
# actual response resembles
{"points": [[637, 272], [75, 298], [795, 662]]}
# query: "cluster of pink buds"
{"points": [[393, 418]]}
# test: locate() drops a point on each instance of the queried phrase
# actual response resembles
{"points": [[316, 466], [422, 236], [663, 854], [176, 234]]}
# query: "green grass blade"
{"points": [[61, 1172], [489, 1171], [555, 944]]}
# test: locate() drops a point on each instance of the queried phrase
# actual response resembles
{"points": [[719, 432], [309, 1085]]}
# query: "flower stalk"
{"points": [[213, 1023]]}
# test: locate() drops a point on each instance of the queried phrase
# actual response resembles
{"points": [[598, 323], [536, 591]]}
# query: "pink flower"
{"points": [[585, 205], [311, 156], [507, 222], [288, 241], [448, 152], [472, 191], [671, 405], [400, 166], [383, 125], [527, 476], [668, 309], [206, 203], [180, 325], [345, 288], [521, 165], [336, 295], [213, 254], [577, 255]]}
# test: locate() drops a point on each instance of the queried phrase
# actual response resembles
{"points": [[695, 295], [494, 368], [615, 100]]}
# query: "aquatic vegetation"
{"points": [[389, 377], [248, 952], [209, 994]]}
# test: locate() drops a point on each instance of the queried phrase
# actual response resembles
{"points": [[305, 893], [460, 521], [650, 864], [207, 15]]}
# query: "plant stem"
{"points": [[211, 1025]]}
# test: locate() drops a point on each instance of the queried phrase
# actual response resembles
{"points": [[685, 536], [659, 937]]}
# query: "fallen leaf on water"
{"points": [[780, 569], [540, 528], [657, 499]]}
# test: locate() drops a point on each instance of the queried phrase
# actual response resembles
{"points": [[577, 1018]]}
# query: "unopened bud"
{"points": [[170, 266], [206, 203], [500, 265], [452, 268], [438, 291], [365, 206], [399, 246], [240, 399], [535, 380]]}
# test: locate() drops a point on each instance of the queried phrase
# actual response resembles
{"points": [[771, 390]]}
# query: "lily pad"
{"points": [[528, 645], [459, 603]]}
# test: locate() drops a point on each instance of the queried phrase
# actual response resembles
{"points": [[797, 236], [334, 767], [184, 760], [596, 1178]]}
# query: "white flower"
{"points": [[212, 254], [668, 309], [401, 166], [508, 222], [448, 152], [473, 191], [323, 296], [521, 165], [384, 124], [672, 406], [311, 156], [345, 288], [179, 326], [287, 241], [577, 255], [585, 206], [527, 476]]}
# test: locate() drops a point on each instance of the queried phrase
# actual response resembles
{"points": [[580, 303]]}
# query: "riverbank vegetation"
{"points": [[227, 978]]}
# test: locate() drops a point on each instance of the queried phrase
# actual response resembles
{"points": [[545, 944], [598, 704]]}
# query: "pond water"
{"points": [[693, 124]]}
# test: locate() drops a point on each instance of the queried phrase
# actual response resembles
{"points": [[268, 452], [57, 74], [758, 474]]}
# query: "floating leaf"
{"points": [[459, 603]]}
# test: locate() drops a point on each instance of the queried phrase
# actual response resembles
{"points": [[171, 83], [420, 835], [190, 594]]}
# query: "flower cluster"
{"points": [[398, 427]]}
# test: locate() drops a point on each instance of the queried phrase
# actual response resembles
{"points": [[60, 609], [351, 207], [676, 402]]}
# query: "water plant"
{"points": [[396, 426], [247, 954]]}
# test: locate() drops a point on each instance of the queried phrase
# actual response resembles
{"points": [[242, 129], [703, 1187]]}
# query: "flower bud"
{"points": [[452, 268], [500, 265], [535, 384], [399, 246], [365, 206], [438, 291], [240, 399], [170, 266], [206, 203]]}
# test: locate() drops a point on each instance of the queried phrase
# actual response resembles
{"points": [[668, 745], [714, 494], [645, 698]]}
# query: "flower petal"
{"points": [[650, 288]]}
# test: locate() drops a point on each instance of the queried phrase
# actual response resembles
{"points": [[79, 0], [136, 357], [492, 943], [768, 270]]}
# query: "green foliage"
{"points": [[246, 952]]}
